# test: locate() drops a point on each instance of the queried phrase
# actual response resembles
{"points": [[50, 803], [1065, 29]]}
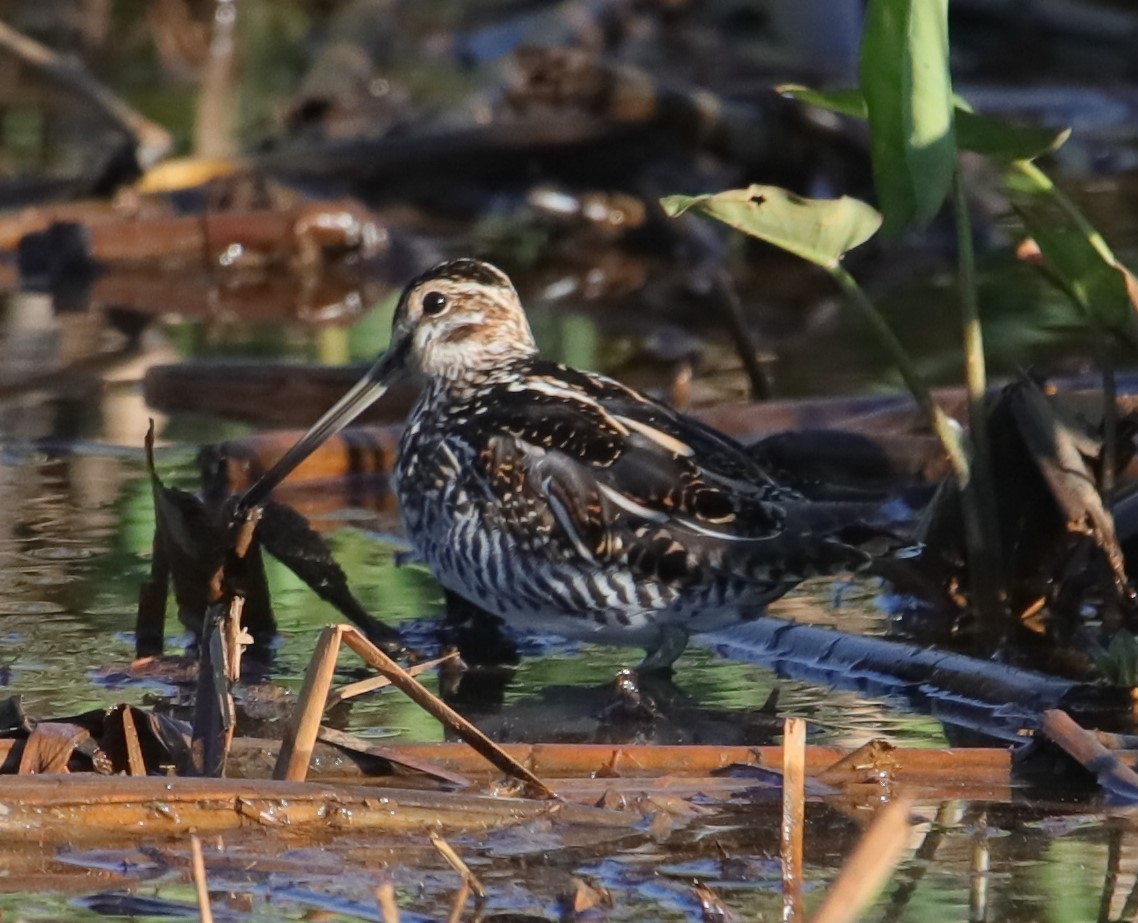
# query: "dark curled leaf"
{"points": [[190, 547], [1054, 448], [164, 741], [287, 536]]}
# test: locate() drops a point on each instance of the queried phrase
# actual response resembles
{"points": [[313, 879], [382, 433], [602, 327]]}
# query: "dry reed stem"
{"points": [[793, 817], [385, 897], [436, 707], [300, 735], [152, 141], [869, 866], [200, 888], [372, 683], [456, 863]]}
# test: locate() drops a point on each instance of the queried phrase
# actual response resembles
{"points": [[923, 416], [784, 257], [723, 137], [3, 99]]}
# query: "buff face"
{"points": [[460, 318]]}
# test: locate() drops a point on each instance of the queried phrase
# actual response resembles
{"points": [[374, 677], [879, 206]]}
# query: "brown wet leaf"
{"points": [[50, 747]]}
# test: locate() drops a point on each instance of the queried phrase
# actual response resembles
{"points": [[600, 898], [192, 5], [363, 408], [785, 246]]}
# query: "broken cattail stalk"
{"points": [[1116, 778], [152, 142], [870, 865], [793, 817], [300, 736], [912, 765], [220, 665], [200, 887], [214, 712]]}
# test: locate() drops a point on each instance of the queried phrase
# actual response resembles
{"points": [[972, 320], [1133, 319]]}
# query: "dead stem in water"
{"points": [[300, 736], [199, 880]]}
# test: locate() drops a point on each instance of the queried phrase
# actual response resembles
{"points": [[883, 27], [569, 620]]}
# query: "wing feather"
{"points": [[610, 477]]}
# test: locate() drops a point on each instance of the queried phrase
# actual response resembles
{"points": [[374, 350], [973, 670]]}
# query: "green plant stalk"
{"points": [[945, 428], [1044, 183], [985, 558], [981, 555], [1109, 456]]}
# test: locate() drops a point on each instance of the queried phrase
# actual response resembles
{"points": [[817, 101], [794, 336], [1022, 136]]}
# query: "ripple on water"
{"points": [[63, 551], [33, 607]]}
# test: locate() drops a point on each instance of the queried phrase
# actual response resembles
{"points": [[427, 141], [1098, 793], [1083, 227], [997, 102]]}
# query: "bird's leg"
{"points": [[477, 633], [477, 685], [673, 641]]}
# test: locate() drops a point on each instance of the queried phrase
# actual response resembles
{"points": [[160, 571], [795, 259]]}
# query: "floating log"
{"points": [[400, 166], [77, 808], [303, 236]]}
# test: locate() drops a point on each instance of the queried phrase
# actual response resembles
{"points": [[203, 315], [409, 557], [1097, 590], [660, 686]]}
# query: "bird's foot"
{"points": [[628, 704]]}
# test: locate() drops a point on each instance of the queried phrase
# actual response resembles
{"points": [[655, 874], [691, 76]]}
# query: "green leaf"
{"points": [[843, 102], [818, 230], [981, 134], [1119, 662], [908, 93], [1005, 141]]}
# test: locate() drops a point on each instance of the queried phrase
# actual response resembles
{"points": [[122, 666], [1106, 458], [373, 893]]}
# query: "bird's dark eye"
{"points": [[434, 303]]}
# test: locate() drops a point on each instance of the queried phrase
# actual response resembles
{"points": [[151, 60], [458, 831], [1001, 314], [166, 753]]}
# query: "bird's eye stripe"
{"points": [[434, 302]]}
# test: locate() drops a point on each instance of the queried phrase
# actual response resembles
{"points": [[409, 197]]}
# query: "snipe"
{"points": [[564, 500]]}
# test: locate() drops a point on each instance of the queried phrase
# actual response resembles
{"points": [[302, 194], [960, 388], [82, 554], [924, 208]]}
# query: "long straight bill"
{"points": [[362, 395]]}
